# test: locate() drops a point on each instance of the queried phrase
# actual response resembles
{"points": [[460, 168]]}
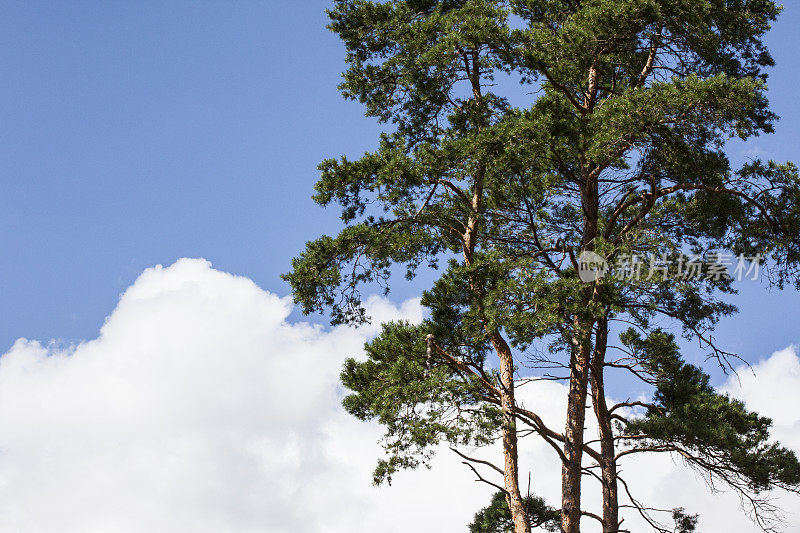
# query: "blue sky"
{"points": [[133, 134]]}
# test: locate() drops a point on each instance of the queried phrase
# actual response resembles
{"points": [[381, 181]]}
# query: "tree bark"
{"points": [[509, 432], [571, 471], [609, 466], [507, 403], [580, 359]]}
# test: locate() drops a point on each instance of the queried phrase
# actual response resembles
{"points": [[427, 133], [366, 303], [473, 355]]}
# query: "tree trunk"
{"points": [[580, 359], [507, 404], [510, 452], [571, 470], [609, 465]]}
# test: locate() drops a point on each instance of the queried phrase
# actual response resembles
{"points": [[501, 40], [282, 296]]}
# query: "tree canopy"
{"points": [[520, 136]]}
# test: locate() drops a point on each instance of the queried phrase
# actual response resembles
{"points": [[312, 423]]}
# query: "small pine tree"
{"points": [[496, 517]]}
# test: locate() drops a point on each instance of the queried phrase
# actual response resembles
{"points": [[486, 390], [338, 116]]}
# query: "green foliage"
{"points": [[429, 68], [714, 433], [496, 517], [684, 523], [419, 407], [616, 147]]}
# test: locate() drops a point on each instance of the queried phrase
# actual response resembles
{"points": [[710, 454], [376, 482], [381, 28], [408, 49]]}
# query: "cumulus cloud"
{"points": [[200, 408]]}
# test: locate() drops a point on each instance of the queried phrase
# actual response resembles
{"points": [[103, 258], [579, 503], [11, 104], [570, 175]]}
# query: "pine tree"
{"points": [[496, 517], [617, 152]]}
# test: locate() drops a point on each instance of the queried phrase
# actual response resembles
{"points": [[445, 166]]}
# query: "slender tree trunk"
{"points": [[609, 465], [572, 468], [510, 451], [571, 471], [507, 403]]}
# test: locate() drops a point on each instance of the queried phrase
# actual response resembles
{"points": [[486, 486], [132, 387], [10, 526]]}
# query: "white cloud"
{"points": [[199, 408]]}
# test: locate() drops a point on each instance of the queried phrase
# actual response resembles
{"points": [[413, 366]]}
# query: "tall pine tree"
{"points": [[617, 150]]}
